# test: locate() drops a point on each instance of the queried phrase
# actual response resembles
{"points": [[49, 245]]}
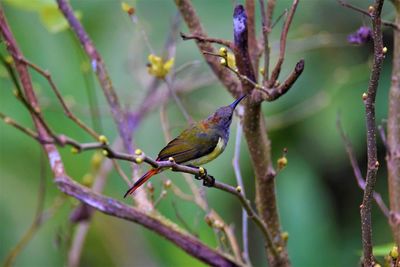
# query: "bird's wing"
{"points": [[191, 144]]}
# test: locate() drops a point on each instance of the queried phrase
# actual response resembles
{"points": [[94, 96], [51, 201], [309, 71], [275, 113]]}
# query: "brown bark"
{"points": [[393, 134]]}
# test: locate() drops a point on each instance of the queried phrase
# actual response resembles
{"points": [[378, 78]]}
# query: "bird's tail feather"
{"points": [[141, 181]]}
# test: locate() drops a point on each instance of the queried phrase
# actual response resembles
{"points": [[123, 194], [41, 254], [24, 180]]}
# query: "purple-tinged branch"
{"points": [[356, 168], [282, 46]]}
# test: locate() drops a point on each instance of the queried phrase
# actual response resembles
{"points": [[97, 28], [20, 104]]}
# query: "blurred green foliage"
{"points": [[318, 196]]}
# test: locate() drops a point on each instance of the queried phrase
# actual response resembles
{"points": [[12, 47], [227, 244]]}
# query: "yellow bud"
{"points": [[394, 252], [85, 67], [7, 120], [285, 236], [218, 224], [138, 151], [370, 9], [171, 159], [279, 249], [167, 183], [105, 152], [139, 160], [209, 220], [201, 171], [127, 8], [96, 160], [150, 187], [163, 193], [87, 179], [222, 62], [282, 162], [103, 139], [9, 59], [262, 71], [364, 96], [16, 93], [384, 50], [223, 51], [238, 189], [74, 150]]}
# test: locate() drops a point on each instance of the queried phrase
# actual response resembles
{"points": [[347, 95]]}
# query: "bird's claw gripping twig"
{"points": [[208, 181]]}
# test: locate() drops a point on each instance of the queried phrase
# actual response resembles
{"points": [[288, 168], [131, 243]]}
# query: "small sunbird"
{"points": [[200, 143]]}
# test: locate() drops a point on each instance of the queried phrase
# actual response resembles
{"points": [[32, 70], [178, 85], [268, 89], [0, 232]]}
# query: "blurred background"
{"points": [[318, 197]]}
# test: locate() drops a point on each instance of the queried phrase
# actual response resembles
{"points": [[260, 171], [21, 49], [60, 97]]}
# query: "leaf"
{"points": [[53, 19], [49, 14], [383, 250], [31, 5]]}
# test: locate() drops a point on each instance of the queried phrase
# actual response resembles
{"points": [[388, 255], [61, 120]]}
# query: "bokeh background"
{"points": [[317, 194]]}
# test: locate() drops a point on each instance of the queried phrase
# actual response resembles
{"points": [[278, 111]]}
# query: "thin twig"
{"points": [[239, 180], [178, 102], [282, 47], [366, 13], [373, 164], [37, 217], [250, 212], [200, 38], [154, 222], [57, 92], [100, 70], [356, 168]]}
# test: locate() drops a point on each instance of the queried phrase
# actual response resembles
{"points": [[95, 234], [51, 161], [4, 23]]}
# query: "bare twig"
{"points": [[100, 70], [282, 47], [239, 180], [200, 38], [373, 164], [266, 20], [393, 134], [395, 26], [178, 102], [356, 168], [250, 212], [36, 219], [106, 84], [259, 146], [154, 222], [252, 38], [193, 22], [65, 107]]}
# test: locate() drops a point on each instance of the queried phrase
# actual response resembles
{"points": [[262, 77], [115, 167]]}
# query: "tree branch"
{"points": [[282, 47], [259, 145], [393, 133], [107, 205], [356, 168], [193, 22], [152, 221], [373, 164]]}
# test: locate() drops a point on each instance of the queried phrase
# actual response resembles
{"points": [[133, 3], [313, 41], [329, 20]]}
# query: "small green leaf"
{"points": [[31, 5], [383, 250], [54, 20], [49, 14]]}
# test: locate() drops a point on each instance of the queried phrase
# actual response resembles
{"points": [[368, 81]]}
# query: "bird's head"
{"points": [[223, 116]]}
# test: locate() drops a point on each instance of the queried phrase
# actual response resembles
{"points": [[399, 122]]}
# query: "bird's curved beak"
{"points": [[234, 104]]}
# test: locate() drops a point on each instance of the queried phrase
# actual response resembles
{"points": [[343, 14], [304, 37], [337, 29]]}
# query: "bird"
{"points": [[198, 144]]}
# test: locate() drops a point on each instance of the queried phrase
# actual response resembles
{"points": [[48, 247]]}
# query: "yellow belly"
{"points": [[219, 148]]}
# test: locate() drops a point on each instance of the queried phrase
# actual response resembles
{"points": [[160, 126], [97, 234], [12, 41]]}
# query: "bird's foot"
{"points": [[202, 174], [209, 181]]}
